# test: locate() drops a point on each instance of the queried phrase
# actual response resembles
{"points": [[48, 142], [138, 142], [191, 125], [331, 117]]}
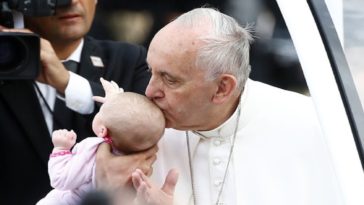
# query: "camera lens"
{"points": [[12, 53]]}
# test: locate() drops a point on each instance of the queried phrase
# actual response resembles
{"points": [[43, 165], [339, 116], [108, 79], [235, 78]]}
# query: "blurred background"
{"points": [[273, 56]]}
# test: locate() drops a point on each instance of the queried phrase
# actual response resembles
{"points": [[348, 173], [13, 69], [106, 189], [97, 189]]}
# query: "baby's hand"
{"points": [[63, 139], [110, 88]]}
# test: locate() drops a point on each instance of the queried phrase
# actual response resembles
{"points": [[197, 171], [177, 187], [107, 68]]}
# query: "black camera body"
{"points": [[19, 56], [20, 52], [37, 7]]}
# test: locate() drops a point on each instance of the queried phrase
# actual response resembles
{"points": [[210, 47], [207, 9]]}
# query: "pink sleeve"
{"points": [[71, 170]]}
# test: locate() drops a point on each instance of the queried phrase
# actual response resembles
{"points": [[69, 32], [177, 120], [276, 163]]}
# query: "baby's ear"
{"points": [[102, 132]]}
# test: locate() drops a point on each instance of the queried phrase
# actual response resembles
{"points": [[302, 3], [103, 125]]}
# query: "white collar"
{"points": [[76, 54]]}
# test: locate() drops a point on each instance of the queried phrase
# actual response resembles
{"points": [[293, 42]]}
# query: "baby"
{"points": [[128, 121]]}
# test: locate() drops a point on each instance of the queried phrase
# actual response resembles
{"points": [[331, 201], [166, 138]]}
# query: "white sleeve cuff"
{"points": [[78, 94]]}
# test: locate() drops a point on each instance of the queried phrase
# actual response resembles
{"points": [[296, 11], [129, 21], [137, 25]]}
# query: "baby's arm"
{"points": [[149, 194], [66, 169]]}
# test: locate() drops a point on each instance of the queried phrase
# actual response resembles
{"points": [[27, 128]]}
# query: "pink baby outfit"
{"points": [[72, 174]]}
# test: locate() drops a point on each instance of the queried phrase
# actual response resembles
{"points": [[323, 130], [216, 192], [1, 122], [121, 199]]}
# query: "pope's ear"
{"points": [[226, 87]]}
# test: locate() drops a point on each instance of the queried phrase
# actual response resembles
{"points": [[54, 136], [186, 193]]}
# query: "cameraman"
{"points": [[27, 108]]}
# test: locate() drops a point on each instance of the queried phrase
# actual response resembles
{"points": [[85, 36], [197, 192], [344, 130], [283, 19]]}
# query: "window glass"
{"points": [[354, 41]]}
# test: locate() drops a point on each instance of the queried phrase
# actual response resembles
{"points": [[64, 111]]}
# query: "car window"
{"points": [[353, 20]]}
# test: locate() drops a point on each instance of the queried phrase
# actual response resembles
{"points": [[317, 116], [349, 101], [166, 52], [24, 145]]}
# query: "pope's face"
{"points": [[68, 24], [177, 86]]}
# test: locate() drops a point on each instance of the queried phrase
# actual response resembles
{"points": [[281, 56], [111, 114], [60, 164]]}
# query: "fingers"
{"points": [[142, 178], [141, 185], [73, 136], [146, 168], [105, 84], [116, 87], [15, 30], [149, 162], [170, 182], [142, 191], [60, 132], [139, 179], [136, 180], [110, 87], [142, 194], [149, 157], [151, 152], [99, 99], [149, 172], [2, 28]]}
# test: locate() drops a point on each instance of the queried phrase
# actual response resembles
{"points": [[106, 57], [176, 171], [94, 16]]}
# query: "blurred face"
{"points": [[176, 85], [68, 24]]}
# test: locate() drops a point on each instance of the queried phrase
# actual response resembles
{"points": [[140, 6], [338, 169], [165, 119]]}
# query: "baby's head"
{"points": [[133, 122]]}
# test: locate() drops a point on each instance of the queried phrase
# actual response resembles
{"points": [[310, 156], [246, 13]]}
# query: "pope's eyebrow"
{"points": [[163, 72]]}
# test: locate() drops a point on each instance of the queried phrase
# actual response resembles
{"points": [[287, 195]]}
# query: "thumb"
{"points": [[170, 182]]}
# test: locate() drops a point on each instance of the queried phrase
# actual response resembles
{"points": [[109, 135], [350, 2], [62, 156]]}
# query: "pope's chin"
{"points": [[174, 125], [169, 123]]}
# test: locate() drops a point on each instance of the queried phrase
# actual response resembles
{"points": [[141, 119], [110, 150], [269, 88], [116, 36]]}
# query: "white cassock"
{"points": [[279, 157]]}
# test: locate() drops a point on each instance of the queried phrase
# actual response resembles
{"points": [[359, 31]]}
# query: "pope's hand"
{"points": [[150, 194]]}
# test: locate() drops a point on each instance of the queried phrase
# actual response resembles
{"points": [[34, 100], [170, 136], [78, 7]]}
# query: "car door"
{"points": [[332, 88]]}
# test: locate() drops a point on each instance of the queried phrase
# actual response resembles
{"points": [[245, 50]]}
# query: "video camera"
{"points": [[19, 52]]}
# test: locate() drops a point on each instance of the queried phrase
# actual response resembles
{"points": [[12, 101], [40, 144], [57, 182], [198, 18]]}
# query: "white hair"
{"points": [[226, 45]]}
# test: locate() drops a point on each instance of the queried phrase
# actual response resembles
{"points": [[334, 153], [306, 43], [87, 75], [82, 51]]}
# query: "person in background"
{"points": [[233, 140], [61, 97]]}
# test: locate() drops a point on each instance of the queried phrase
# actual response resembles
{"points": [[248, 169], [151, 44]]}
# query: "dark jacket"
{"points": [[25, 143]]}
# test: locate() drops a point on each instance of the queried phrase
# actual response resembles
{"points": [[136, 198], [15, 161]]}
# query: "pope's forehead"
{"points": [[175, 43], [182, 33]]}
